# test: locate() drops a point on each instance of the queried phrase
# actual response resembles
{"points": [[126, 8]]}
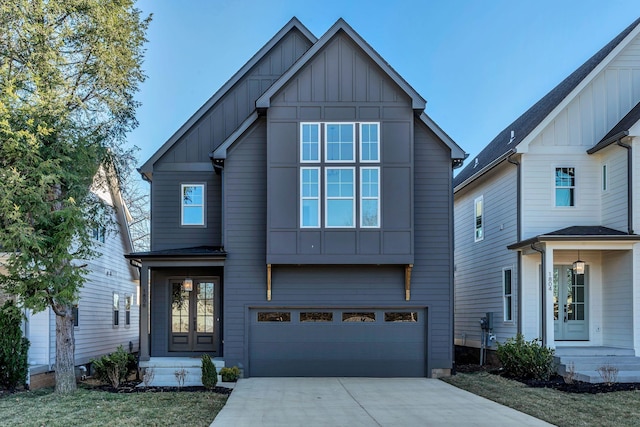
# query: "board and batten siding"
{"points": [[479, 265], [237, 103], [340, 84], [166, 201]]}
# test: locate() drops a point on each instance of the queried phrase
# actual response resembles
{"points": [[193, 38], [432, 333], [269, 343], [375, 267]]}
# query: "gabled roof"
{"points": [[578, 232], [457, 153], [503, 143], [147, 167], [418, 103], [620, 130]]}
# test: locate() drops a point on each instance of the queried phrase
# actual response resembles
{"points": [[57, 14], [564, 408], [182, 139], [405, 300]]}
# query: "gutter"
{"points": [[485, 169], [629, 184], [543, 319], [519, 236]]}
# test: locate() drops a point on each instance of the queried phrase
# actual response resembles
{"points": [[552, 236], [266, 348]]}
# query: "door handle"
{"points": [[565, 313]]}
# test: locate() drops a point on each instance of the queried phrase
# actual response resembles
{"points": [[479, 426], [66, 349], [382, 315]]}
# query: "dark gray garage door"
{"points": [[337, 342]]}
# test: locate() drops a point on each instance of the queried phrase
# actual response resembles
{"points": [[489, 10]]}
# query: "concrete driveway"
{"points": [[356, 402]]}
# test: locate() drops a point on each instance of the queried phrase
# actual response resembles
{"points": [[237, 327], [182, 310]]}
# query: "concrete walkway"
{"points": [[363, 402]]}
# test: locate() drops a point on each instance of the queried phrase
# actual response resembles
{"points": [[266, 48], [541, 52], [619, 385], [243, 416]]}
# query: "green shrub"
{"points": [[526, 359], [209, 374], [113, 368], [230, 375], [14, 347]]}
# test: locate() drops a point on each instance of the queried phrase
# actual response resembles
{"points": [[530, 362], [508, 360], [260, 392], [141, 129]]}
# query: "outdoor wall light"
{"points": [[578, 266], [187, 284]]}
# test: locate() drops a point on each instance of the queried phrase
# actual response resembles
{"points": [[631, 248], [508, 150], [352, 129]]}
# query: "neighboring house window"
{"points": [[340, 200], [76, 315], [127, 309], [116, 309], [340, 145], [369, 142], [310, 142], [333, 202], [565, 186], [370, 197], [507, 297], [310, 191], [99, 234], [478, 214], [192, 204], [604, 177]]}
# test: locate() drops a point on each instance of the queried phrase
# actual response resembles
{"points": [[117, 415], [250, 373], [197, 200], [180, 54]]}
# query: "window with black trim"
{"points": [[76, 315], [116, 309], [128, 300], [507, 296], [478, 216]]}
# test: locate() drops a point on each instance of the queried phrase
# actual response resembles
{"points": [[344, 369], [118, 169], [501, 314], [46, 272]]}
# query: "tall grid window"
{"points": [[340, 202], [507, 297], [310, 192], [340, 145], [478, 214], [128, 300], [565, 186], [369, 142], [310, 142], [370, 197]]}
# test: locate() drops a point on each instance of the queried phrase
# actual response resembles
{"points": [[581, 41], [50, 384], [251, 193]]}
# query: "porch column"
{"points": [[144, 313], [548, 334]]}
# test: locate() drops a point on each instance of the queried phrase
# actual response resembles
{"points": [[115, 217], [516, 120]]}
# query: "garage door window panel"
{"points": [[401, 316], [316, 316], [274, 316], [358, 316]]}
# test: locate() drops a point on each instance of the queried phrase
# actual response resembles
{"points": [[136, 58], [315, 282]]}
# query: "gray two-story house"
{"points": [[302, 220]]}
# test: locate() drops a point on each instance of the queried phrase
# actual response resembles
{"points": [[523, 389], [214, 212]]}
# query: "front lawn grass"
{"points": [[100, 408], [620, 408]]}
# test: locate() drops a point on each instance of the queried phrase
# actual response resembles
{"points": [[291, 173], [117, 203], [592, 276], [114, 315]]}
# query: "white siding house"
{"points": [[100, 327], [558, 186]]}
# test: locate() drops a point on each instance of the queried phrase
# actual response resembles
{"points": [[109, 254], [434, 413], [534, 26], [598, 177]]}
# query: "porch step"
{"points": [[165, 368], [585, 362]]}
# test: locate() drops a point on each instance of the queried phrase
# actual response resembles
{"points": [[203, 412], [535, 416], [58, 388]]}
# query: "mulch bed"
{"points": [[556, 382], [132, 387]]}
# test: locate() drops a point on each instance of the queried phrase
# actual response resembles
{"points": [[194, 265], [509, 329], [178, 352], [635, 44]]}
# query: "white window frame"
{"points": [[203, 206], [128, 303], [605, 178], [303, 197], [115, 312], [363, 198], [477, 200], [327, 198], [326, 142], [302, 142], [360, 142], [507, 299], [572, 188]]}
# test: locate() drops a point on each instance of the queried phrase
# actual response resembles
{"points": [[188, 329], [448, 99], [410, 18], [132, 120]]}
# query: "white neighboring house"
{"points": [[108, 305], [556, 186]]}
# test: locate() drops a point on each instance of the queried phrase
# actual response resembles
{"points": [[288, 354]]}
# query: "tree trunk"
{"points": [[65, 349]]}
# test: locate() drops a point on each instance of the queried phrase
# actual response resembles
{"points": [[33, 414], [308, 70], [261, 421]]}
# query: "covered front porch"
{"points": [[180, 304], [580, 294]]}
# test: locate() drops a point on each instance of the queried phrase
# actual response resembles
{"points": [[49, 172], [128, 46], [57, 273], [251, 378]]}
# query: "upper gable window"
{"points": [[340, 145], [369, 142], [478, 214], [310, 142], [192, 200], [370, 197], [310, 192], [565, 186]]}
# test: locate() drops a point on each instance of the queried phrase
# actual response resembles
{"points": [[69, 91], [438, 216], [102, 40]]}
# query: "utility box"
{"points": [[486, 323]]}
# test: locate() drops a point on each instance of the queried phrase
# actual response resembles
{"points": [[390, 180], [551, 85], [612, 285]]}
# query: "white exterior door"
{"points": [[570, 304]]}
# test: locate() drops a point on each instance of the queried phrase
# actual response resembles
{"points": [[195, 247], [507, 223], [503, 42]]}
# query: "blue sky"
{"points": [[479, 64]]}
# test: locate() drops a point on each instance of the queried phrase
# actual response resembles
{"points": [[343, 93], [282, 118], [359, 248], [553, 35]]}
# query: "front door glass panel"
{"points": [[205, 307], [179, 309]]}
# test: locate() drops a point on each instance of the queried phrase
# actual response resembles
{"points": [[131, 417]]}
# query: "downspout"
{"points": [[543, 304], [518, 236], [629, 185]]}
